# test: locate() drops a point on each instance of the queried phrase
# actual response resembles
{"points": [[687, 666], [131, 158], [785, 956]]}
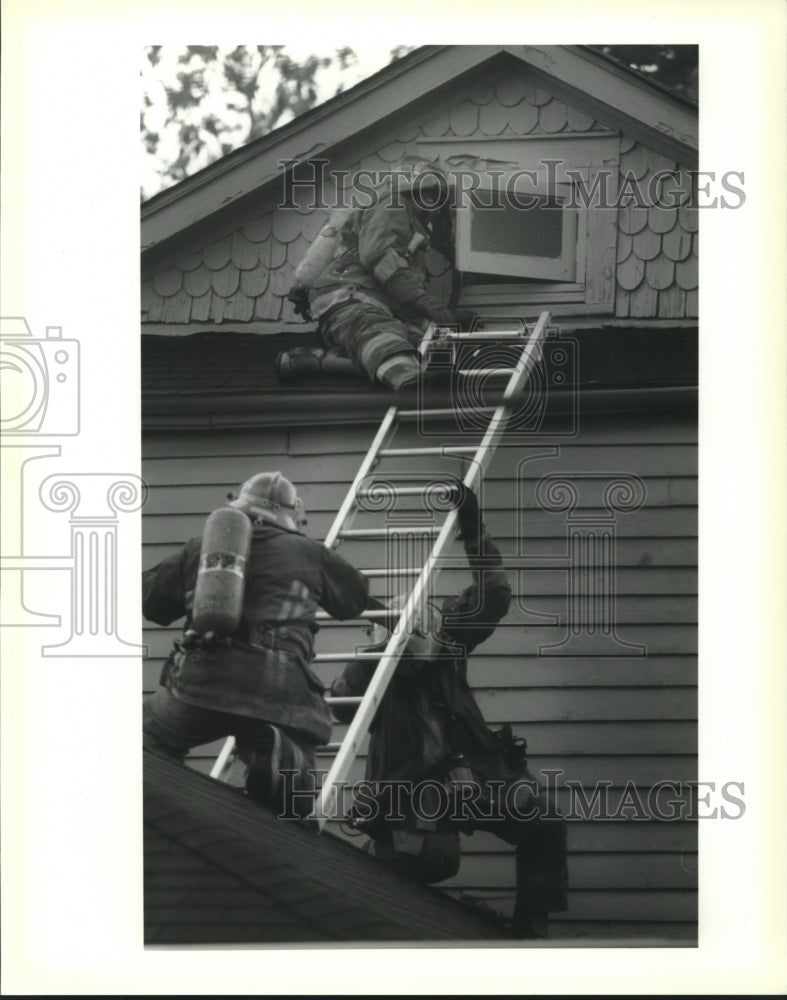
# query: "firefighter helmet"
{"points": [[270, 496], [424, 180]]}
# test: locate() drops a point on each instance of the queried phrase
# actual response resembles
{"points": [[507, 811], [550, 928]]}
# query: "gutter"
{"points": [[231, 411]]}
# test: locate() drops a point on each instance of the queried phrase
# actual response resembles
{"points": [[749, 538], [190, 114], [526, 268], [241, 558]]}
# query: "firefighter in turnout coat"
{"points": [[429, 730], [371, 301], [256, 685]]}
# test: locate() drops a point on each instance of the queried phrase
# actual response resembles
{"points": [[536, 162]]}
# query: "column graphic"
{"points": [[94, 501], [591, 624]]}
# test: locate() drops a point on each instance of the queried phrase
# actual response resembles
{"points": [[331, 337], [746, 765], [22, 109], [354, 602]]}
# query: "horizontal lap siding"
{"points": [[627, 721]]}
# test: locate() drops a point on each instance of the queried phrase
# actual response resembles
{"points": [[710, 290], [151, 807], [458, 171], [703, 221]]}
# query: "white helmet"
{"points": [[424, 642], [271, 497], [424, 180]]}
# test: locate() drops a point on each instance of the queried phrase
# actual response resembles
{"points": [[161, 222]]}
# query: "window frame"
{"points": [[582, 153], [566, 269]]}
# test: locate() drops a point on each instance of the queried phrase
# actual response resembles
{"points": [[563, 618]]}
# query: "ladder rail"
{"points": [[378, 685], [389, 659], [385, 430]]}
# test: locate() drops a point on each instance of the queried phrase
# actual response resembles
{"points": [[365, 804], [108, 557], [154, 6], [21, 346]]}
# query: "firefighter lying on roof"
{"points": [[370, 298], [429, 733], [256, 684]]}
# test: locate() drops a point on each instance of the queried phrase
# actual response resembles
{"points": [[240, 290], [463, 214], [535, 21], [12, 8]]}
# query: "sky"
{"points": [[155, 81]]}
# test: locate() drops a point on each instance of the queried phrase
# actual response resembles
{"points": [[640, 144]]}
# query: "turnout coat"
{"points": [[264, 671]]}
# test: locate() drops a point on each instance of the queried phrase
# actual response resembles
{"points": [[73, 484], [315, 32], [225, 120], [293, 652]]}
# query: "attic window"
{"points": [[534, 237]]}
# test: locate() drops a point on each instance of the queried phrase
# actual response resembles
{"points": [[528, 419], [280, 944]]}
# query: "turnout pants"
{"points": [[368, 334], [173, 727]]}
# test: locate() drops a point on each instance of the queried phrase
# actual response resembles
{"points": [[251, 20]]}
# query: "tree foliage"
{"points": [[202, 101], [674, 66]]}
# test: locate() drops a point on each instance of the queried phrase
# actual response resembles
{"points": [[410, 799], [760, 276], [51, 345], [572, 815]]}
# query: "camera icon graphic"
{"points": [[39, 379], [547, 405]]}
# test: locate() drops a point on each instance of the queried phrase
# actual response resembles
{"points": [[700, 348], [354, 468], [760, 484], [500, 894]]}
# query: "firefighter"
{"points": [[256, 685], [429, 734], [370, 301]]}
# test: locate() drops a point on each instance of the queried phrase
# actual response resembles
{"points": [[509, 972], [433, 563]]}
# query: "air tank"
{"points": [[221, 579]]}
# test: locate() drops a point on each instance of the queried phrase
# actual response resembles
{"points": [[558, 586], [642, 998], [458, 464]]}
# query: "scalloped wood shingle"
{"points": [[217, 255], [258, 230], [631, 272], [225, 281], [660, 272], [647, 244], [511, 90], [254, 283], [278, 254], [635, 162], [523, 118], [493, 119], [437, 127], [482, 93], [676, 244], [662, 220], [688, 218], [625, 246], [191, 262], [686, 272], [244, 254], [281, 280], [535, 96], [168, 282], [286, 225], [196, 283], [632, 219], [552, 116], [578, 121], [464, 118]]}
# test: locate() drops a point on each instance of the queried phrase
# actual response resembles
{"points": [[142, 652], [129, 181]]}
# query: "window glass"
{"points": [[527, 232]]}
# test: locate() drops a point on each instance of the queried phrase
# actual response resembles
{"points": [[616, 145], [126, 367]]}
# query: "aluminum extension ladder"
{"points": [[481, 455]]}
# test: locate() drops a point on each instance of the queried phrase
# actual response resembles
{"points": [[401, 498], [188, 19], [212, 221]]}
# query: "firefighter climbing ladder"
{"points": [[480, 456]]}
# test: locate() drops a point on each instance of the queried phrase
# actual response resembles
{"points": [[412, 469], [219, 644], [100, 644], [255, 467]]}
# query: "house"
{"points": [[594, 503]]}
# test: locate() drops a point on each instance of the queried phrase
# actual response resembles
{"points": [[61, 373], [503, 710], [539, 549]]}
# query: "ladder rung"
{"points": [[445, 449], [322, 616], [486, 371], [343, 700], [343, 657], [390, 531], [380, 573], [450, 411], [494, 335], [329, 748], [400, 491]]}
